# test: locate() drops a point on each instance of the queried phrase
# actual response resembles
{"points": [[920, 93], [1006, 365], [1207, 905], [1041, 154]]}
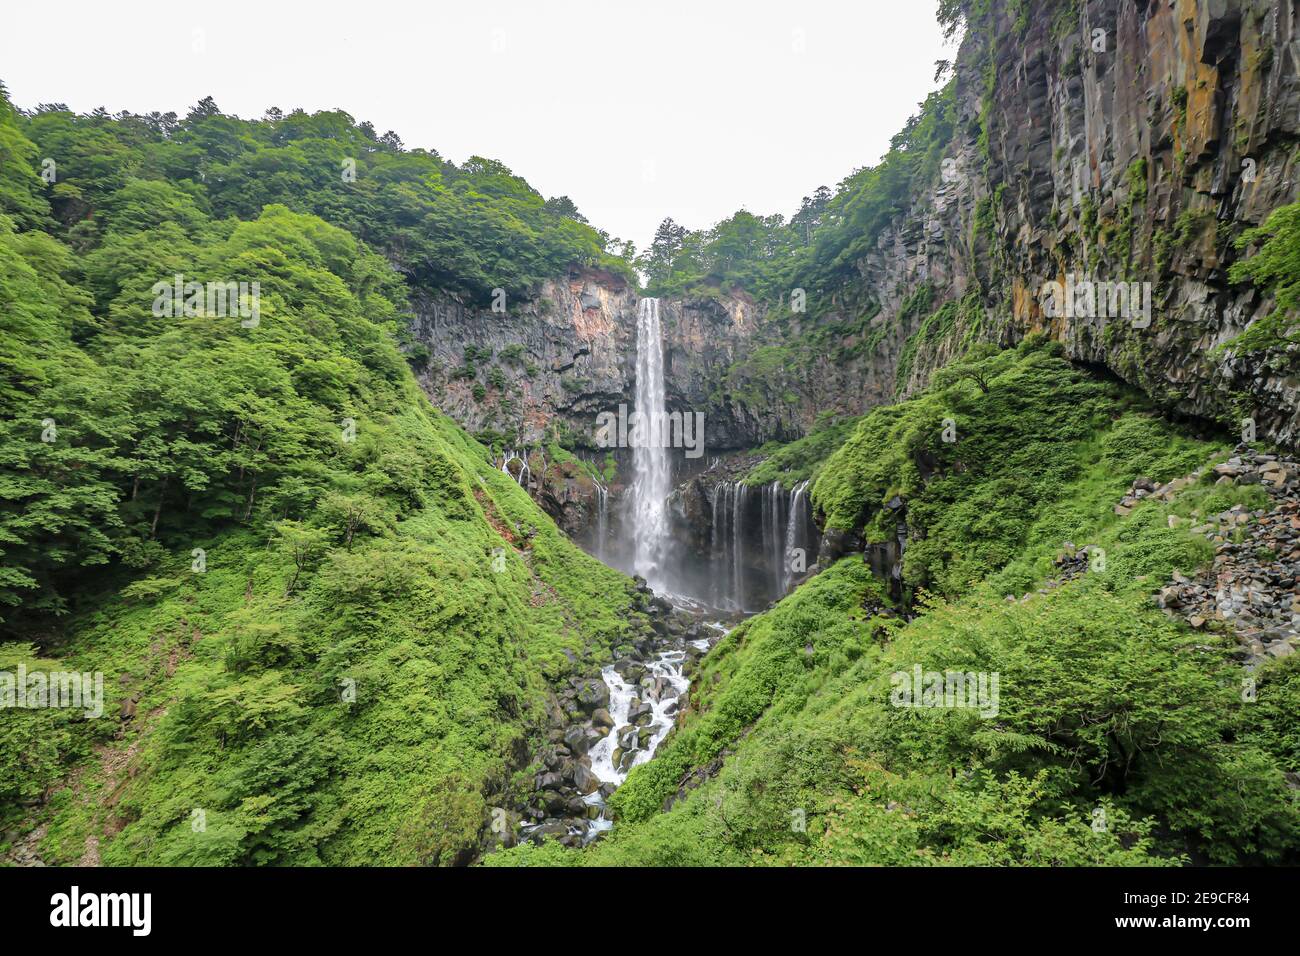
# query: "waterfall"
{"points": [[785, 527], [765, 510], [602, 519], [726, 544], [796, 533], [511, 455], [651, 482], [738, 493], [774, 534], [718, 544]]}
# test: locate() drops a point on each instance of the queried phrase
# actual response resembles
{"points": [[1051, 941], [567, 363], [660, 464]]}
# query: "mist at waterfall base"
{"points": [[738, 550]]}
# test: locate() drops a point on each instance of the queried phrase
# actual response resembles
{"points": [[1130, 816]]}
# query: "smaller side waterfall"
{"points": [[726, 545], [796, 536], [525, 473], [739, 493], [758, 548], [774, 533], [719, 537]]}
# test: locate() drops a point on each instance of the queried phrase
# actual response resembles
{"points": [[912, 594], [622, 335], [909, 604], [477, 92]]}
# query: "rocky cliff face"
{"points": [[707, 343], [1119, 141], [545, 367], [550, 363]]}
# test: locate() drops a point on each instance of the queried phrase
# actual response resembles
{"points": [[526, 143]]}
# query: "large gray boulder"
{"points": [[593, 694], [584, 780]]}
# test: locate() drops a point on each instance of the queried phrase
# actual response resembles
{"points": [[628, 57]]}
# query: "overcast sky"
{"points": [[635, 110]]}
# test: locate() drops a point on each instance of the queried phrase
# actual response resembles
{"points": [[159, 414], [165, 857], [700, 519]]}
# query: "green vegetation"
{"points": [[1025, 426], [761, 379], [602, 471], [801, 459], [467, 229], [965, 315], [1275, 268], [325, 622]]}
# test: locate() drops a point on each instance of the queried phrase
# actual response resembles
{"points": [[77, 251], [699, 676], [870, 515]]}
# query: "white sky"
{"points": [[682, 108]]}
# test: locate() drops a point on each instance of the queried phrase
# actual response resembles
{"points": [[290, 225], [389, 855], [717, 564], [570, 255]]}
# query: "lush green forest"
{"points": [[329, 622], [466, 229]]}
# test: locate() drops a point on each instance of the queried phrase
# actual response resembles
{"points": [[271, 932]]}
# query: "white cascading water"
{"points": [[739, 492], [668, 665], [661, 688], [525, 473], [795, 532], [775, 532], [718, 545], [651, 481]]}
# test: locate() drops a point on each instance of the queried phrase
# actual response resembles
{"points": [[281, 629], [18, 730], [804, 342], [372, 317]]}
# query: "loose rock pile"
{"points": [[1252, 589], [1071, 563], [1144, 488], [23, 852]]}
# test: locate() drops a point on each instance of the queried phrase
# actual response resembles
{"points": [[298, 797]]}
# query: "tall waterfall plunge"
{"points": [[737, 550], [651, 482]]}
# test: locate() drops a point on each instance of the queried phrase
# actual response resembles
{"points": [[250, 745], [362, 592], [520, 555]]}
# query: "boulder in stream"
{"points": [[593, 694], [584, 780]]}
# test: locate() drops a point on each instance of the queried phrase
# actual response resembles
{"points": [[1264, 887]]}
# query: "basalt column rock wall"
{"points": [[542, 369], [1113, 140], [1157, 132], [548, 363]]}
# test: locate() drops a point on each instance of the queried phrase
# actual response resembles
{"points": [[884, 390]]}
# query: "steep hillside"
{"points": [[325, 625]]}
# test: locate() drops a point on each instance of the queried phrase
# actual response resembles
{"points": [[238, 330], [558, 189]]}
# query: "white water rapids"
{"points": [[662, 689], [662, 699]]}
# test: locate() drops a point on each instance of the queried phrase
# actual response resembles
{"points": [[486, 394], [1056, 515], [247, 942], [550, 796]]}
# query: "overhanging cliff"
{"points": [[1110, 141]]}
